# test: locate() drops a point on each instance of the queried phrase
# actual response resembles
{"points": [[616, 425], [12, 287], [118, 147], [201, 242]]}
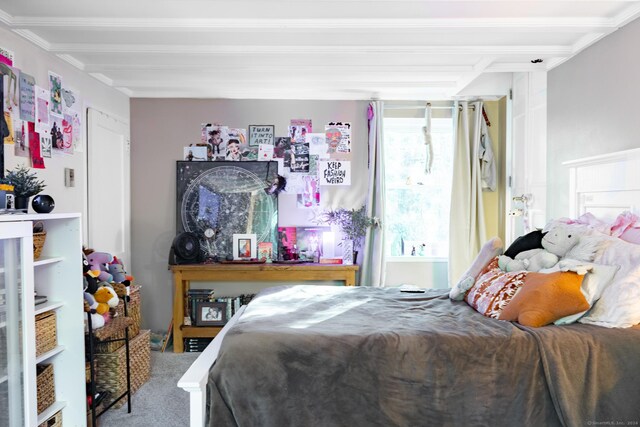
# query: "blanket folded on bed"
{"points": [[336, 356]]}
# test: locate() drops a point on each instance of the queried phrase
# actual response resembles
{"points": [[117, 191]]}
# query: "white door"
{"points": [[527, 159], [108, 185]]}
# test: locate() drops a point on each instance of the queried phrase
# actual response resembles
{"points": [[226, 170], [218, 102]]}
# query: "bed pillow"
{"points": [[493, 289], [489, 251], [545, 298], [619, 305], [593, 285]]}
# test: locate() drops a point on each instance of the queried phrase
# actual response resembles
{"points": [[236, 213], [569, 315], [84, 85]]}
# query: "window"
{"points": [[417, 205]]}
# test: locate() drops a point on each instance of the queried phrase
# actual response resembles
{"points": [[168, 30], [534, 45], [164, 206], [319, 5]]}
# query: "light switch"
{"points": [[69, 177]]}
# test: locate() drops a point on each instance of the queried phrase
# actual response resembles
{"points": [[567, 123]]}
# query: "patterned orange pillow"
{"points": [[545, 298], [494, 289]]}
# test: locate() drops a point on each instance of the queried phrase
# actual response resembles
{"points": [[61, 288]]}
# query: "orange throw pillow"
{"points": [[545, 298]]}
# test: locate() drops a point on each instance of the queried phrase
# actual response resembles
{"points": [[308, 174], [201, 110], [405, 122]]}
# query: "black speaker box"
{"points": [[185, 249]]}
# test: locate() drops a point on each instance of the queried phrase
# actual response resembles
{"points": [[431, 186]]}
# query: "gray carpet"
{"points": [[159, 402]]}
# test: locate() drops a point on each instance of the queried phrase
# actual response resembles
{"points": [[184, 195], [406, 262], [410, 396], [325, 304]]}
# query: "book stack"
{"points": [[193, 345]]}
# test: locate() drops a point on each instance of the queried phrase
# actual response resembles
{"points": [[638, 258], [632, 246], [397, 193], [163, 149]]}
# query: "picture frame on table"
{"points": [[245, 246], [211, 313]]}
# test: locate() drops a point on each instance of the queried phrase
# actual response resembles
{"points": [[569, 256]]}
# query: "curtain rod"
{"points": [[421, 107]]}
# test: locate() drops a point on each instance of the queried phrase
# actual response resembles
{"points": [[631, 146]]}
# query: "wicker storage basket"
{"points": [[38, 243], [112, 368], [46, 333], [54, 421], [87, 371], [134, 311], [46, 391]]}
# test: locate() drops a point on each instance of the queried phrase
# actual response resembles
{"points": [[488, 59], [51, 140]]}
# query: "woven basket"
{"points": [[134, 330], [46, 388], [54, 421], [38, 239], [46, 333], [87, 371], [112, 368]]}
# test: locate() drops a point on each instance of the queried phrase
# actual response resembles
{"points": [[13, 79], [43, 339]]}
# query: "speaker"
{"points": [[185, 249]]}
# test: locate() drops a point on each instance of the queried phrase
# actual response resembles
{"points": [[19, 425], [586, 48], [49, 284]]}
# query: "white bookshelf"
{"points": [[57, 274]]}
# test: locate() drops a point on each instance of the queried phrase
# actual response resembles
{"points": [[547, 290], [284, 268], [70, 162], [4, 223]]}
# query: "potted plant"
{"points": [[353, 223], [25, 184]]}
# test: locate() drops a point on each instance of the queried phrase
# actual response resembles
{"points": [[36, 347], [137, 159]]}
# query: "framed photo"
{"points": [[211, 313], [244, 246], [261, 134]]}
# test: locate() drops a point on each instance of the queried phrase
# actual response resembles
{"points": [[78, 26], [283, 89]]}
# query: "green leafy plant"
{"points": [[25, 182], [352, 222]]}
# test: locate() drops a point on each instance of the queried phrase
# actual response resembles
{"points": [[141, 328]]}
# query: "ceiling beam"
{"points": [[263, 83], [308, 49], [569, 24], [478, 69]]}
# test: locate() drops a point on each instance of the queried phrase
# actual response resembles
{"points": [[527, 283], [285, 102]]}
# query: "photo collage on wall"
{"points": [[40, 121], [308, 160]]}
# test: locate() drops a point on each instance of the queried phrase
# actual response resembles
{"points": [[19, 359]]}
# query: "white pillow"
{"points": [[593, 285], [619, 305]]}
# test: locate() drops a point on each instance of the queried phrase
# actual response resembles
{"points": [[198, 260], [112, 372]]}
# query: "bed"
{"points": [[312, 355]]}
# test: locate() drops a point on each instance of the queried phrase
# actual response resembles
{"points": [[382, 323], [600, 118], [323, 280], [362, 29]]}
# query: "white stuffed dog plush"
{"points": [[556, 244]]}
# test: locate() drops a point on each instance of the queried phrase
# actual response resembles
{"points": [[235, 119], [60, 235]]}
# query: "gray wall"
{"points": [[592, 108], [160, 128]]}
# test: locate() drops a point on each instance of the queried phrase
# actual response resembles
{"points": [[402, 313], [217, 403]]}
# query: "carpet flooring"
{"points": [[159, 402]]}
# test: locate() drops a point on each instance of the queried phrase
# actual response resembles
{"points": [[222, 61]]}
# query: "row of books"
{"points": [[231, 304], [196, 345]]}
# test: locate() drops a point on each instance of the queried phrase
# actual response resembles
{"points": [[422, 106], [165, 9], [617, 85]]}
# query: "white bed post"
{"points": [[194, 381]]}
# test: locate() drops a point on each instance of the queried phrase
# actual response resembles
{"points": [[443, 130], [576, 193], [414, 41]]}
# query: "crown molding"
{"points": [[5, 18], [73, 61], [34, 38], [514, 67], [261, 83], [101, 77], [478, 69], [308, 50]]}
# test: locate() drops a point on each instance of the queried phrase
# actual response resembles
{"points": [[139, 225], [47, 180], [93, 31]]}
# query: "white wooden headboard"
{"points": [[605, 185]]}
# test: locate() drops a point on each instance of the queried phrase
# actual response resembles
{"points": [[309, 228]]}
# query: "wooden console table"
{"points": [[184, 274]]}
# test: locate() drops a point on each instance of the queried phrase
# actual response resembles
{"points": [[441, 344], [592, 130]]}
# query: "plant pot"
{"points": [[22, 203], [347, 252]]}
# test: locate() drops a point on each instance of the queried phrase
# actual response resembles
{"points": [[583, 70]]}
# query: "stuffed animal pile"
{"points": [[103, 274]]}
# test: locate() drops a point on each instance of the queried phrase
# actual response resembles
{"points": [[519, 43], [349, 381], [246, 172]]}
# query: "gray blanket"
{"points": [[336, 356]]}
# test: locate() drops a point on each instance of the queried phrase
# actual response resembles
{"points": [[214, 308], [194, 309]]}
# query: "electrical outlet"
{"points": [[69, 177]]}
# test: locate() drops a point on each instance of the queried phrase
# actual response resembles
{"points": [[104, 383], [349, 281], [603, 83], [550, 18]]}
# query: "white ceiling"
{"points": [[311, 49]]}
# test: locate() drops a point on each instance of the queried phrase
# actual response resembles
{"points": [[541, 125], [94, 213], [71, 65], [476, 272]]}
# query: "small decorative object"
{"points": [[43, 203], [6, 196], [244, 246], [25, 184], [265, 251], [211, 313], [39, 237], [353, 224]]}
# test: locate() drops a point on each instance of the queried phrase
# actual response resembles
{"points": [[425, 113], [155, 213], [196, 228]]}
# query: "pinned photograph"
{"points": [[338, 136], [282, 145], [55, 93], [298, 134], [195, 153]]}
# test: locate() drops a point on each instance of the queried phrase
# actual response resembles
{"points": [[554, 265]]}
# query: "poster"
{"points": [[237, 147], [11, 90], [37, 162], [55, 93], [310, 197], [261, 134], [70, 98], [67, 133], [42, 109], [299, 158], [338, 137], [318, 145], [21, 139], [45, 145], [306, 123], [8, 125], [57, 140], [216, 138], [27, 97], [195, 153], [265, 152], [76, 118], [282, 146], [298, 134], [335, 172], [313, 165]]}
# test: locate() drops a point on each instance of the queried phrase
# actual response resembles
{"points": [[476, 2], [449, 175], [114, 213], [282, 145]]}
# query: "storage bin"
{"points": [[46, 391], [112, 368], [46, 332], [54, 421]]}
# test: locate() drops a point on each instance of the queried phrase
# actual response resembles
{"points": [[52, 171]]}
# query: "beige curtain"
{"points": [[373, 268], [467, 227]]}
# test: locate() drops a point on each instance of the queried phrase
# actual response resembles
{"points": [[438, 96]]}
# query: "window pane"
{"points": [[417, 204]]}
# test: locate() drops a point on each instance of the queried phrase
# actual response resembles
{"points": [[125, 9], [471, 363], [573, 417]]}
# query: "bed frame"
{"points": [[195, 379], [603, 185]]}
